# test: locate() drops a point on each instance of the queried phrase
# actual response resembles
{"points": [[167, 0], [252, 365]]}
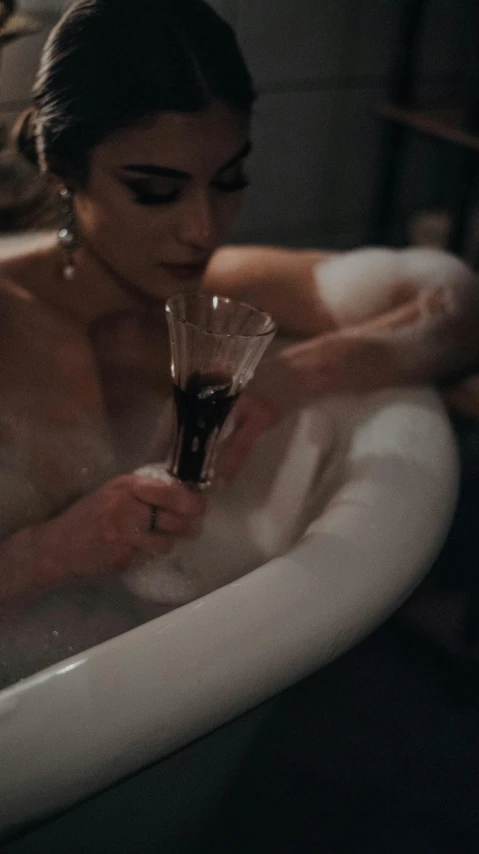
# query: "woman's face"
{"points": [[163, 195]]}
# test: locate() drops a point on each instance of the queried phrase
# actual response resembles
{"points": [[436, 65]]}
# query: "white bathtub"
{"points": [[87, 722]]}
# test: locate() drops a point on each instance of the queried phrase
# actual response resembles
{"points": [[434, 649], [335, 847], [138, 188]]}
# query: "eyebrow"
{"points": [[167, 172]]}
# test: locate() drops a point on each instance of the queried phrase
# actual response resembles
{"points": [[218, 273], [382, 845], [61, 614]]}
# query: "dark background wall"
{"points": [[321, 67]]}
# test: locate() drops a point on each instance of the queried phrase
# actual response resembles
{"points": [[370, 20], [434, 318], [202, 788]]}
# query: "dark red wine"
{"points": [[201, 408]]}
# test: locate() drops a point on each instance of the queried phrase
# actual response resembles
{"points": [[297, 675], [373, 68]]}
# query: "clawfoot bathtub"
{"points": [[90, 720]]}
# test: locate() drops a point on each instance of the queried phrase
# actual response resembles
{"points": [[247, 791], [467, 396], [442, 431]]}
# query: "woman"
{"points": [[141, 122], [146, 151]]}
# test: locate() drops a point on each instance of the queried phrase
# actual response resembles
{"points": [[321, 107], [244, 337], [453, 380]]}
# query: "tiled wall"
{"points": [[321, 67]]}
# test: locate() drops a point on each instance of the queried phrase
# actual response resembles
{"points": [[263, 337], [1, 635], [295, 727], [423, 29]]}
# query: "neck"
{"points": [[97, 291]]}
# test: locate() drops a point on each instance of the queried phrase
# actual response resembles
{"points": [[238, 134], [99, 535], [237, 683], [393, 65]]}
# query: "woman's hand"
{"points": [[354, 359], [251, 416], [331, 363], [111, 529]]}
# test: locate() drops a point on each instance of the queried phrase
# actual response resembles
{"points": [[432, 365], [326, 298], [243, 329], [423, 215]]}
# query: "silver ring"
{"points": [[153, 516]]}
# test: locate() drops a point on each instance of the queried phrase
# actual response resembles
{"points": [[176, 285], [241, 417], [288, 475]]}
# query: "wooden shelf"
{"points": [[445, 123], [452, 120]]}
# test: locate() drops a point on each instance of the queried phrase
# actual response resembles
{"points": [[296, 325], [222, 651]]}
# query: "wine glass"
{"points": [[216, 344]]}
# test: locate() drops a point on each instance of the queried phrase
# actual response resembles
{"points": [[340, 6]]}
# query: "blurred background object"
{"points": [[15, 24], [434, 228], [24, 195], [450, 118], [324, 70]]}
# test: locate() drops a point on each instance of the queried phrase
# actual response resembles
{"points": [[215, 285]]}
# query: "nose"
{"points": [[197, 226]]}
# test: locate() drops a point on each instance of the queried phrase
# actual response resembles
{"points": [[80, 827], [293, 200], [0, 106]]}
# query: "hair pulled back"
{"points": [[109, 64]]}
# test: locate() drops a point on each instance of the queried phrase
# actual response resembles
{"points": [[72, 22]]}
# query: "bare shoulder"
{"points": [[31, 328], [276, 279], [28, 267], [27, 260]]}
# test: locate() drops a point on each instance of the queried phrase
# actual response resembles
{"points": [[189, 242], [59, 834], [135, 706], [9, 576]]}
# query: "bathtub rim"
{"points": [[84, 672]]}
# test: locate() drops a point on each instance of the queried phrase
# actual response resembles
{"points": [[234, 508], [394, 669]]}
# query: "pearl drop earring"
{"points": [[68, 237]]}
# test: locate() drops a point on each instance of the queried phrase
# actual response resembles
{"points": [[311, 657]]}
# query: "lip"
{"points": [[185, 271]]}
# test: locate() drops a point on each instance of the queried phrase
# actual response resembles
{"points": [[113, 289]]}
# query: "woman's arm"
{"points": [[31, 560], [109, 530], [393, 317], [22, 565], [279, 281], [418, 309]]}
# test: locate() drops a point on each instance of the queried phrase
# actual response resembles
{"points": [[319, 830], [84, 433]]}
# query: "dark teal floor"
{"points": [[379, 753]]}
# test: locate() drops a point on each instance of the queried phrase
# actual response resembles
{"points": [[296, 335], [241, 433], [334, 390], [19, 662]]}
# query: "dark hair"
{"points": [[111, 63]]}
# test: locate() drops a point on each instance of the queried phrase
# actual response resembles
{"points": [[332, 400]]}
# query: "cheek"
{"points": [[119, 228], [227, 210]]}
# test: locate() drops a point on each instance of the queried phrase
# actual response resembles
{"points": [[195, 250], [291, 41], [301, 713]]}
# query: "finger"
{"points": [[171, 524], [253, 417], [153, 544], [239, 411], [237, 449], [165, 522], [172, 497], [127, 517]]}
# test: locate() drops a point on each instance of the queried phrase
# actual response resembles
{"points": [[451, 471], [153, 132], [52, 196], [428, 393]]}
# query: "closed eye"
{"points": [[235, 186], [146, 191], [231, 180], [143, 198]]}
